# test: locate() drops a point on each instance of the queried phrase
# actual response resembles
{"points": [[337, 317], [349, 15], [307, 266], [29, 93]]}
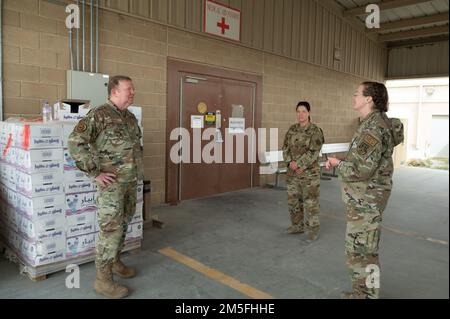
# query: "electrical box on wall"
{"points": [[87, 86]]}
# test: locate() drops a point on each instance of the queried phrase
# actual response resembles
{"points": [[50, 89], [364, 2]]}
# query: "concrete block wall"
{"points": [[36, 57]]}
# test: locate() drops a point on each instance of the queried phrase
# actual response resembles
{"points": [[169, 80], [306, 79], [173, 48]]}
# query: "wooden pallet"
{"points": [[38, 278], [39, 273], [153, 222]]}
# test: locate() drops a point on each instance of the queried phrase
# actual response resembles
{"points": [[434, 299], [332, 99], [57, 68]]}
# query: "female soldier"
{"points": [[366, 175], [301, 150]]}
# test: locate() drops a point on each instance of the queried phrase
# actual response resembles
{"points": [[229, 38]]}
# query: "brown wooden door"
{"points": [[238, 175], [204, 179]]}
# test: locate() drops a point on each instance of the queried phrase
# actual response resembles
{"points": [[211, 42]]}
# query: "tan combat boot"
{"points": [[295, 229], [312, 236], [123, 271], [105, 285]]}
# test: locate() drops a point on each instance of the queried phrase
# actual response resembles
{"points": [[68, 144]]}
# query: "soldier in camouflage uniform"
{"points": [[106, 145], [301, 149], [366, 175]]}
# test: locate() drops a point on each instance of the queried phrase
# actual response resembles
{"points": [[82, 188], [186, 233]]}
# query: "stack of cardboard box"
{"points": [[33, 219], [47, 206]]}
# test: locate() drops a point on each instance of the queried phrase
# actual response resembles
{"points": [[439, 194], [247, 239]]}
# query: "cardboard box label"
{"points": [[80, 245], [63, 110], [75, 176], [80, 224], [137, 217], [77, 203], [79, 187], [69, 163], [134, 231]]}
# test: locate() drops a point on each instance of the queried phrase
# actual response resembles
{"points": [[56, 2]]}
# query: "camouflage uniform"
{"points": [[303, 145], [366, 175], [107, 140]]}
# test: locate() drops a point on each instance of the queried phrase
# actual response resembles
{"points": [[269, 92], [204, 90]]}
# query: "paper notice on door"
{"points": [[196, 121], [236, 125], [237, 110]]}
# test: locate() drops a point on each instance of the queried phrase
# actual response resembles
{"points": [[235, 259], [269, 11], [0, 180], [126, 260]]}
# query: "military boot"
{"points": [[123, 271], [312, 236], [295, 229], [105, 285]]}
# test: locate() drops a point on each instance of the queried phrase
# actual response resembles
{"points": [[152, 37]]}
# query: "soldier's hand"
{"points": [[293, 165], [332, 162], [105, 179]]}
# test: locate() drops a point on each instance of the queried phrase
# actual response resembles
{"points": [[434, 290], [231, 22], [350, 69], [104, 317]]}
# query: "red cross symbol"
{"points": [[223, 25]]}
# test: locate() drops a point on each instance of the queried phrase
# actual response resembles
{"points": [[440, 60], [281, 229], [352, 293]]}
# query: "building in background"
{"points": [[423, 106]]}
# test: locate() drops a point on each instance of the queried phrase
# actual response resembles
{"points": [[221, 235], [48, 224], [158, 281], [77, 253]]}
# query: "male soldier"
{"points": [[366, 175], [106, 145], [301, 149]]}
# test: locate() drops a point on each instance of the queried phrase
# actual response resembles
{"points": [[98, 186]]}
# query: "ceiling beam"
{"points": [[384, 5], [427, 32], [418, 41], [408, 23]]}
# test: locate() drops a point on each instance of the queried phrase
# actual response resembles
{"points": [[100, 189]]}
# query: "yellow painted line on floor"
{"points": [[399, 232], [415, 235], [215, 274]]}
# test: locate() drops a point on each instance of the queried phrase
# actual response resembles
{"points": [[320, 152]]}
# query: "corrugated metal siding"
{"points": [[300, 29], [423, 60]]}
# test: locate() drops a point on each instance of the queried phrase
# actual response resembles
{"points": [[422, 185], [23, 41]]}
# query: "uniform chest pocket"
{"points": [[304, 140], [117, 134], [300, 145], [132, 129]]}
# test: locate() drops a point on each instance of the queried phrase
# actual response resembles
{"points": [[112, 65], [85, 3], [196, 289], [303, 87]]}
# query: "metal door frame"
{"points": [[180, 114], [175, 69]]}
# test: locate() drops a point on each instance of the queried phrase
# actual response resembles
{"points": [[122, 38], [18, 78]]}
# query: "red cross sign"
{"points": [[221, 20], [223, 26]]}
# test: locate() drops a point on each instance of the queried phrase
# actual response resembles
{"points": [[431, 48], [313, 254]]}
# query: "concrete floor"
{"points": [[241, 235]]}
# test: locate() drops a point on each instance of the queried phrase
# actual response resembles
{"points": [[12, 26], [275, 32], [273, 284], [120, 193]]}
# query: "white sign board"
{"points": [[222, 21], [236, 125], [196, 121]]}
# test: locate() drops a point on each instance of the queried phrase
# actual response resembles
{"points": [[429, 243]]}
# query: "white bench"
{"points": [[331, 148], [271, 159], [334, 148]]}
